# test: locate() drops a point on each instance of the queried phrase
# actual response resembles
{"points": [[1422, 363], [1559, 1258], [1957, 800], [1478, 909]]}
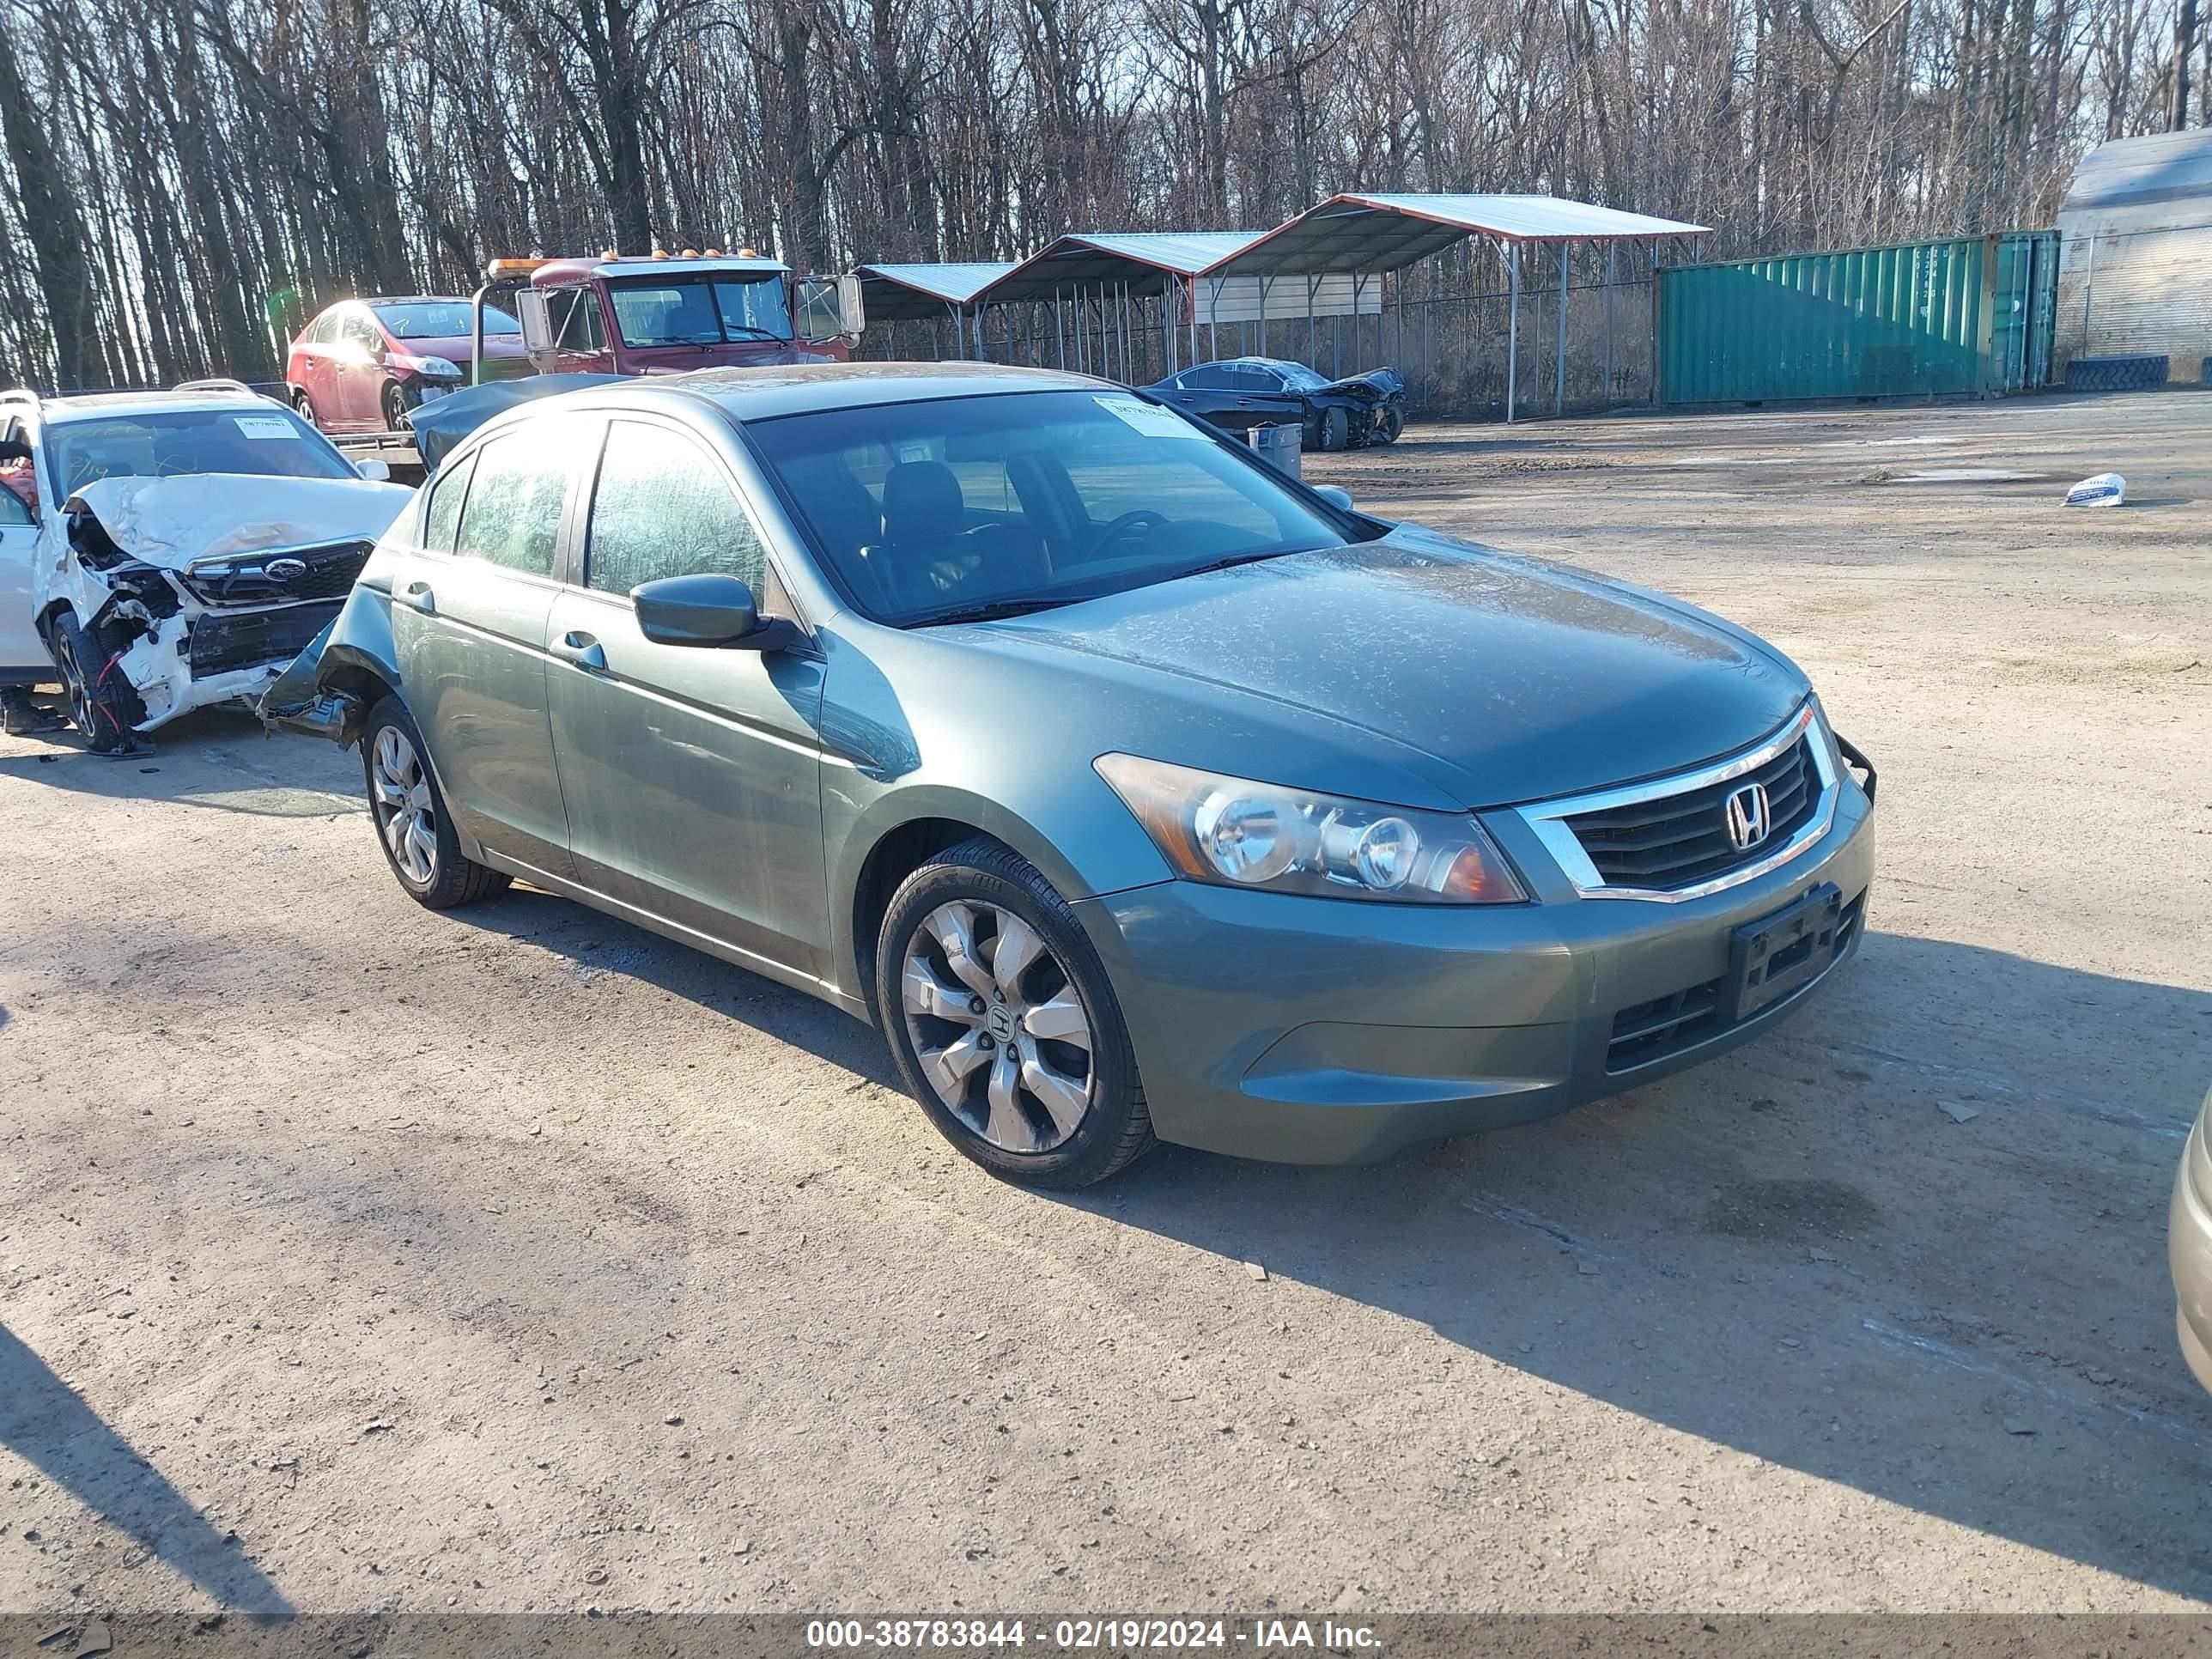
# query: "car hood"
{"points": [[170, 522], [1521, 681], [1376, 385], [457, 349]]}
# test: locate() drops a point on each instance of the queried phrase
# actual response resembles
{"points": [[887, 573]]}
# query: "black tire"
{"points": [[454, 877], [1335, 428], [103, 705], [393, 405], [304, 407], [1116, 1126], [1386, 426]]}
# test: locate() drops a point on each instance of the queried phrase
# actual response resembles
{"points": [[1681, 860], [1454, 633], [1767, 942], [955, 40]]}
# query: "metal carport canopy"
{"points": [[1143, 261], [921, 293], [1361, 233]]}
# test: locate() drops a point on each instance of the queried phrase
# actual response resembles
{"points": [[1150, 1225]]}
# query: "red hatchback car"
{"points": [[361, 364]]}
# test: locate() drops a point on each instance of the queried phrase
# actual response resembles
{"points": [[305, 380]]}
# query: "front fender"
{"points": [[329, 688]]}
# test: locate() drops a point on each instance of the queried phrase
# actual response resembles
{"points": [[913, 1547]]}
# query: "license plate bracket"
{"points": [[1772, 956]]}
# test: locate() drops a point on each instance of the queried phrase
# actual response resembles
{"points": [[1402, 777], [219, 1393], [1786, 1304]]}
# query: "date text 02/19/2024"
{"points": [[1086, 1635]]}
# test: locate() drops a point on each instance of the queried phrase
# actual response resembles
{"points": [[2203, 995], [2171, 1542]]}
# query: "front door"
{"points": [[357, 376], [691, 775], [468, 615], [22, 654]]}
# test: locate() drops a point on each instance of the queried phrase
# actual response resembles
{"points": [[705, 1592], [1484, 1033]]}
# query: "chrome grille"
{"points": [[1677, 840]]}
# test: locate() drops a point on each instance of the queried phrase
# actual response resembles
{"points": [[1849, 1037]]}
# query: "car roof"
{"points": [[760, 394]]}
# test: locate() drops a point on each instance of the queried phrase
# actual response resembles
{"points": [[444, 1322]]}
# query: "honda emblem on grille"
{"points": [[284, 570], [1748, 818]]}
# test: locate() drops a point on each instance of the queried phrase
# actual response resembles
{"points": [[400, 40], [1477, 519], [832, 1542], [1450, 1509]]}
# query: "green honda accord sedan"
{"points": [[1135, 790]]}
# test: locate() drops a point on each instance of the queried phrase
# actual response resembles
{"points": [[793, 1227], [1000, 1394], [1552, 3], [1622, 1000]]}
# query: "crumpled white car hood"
{"points": [[170, 522]]}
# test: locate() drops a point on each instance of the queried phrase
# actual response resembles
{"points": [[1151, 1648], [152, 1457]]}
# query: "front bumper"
{"points": [[2189, 1250], [1335, 1031]]}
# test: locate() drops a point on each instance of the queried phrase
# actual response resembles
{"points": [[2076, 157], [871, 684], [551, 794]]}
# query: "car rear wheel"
{"points": [[393, 405], [412, 824], [1003, 1025], [304, 406], [103, 705]]}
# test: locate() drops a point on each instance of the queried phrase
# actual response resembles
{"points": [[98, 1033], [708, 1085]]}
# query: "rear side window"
{"points": [[664, 507], [444, 514], [513, 514]]}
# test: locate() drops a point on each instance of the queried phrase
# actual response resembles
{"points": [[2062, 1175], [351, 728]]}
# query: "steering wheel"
{"points": [[1121, 526]]}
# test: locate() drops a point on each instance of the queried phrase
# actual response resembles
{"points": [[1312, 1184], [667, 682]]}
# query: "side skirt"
{"points": [[736, 955]]}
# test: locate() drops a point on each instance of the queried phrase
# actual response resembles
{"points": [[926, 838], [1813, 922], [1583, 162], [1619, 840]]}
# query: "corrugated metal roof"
{"points": [[1359, 232], [1180, 251], [935, 286], [1143, 259], [2163, 179]]}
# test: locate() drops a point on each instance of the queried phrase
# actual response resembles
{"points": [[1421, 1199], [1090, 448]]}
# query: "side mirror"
{"points": [[534, 307], [705, 609], [830, 307], [1335, 496], [375, 472]]}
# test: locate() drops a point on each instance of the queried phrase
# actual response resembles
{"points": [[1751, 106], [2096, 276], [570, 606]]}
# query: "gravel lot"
{"points": [[359, 1258]]}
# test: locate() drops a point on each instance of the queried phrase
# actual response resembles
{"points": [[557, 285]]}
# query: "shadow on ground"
{"points": [[1794, 1251], [53, 1428]]}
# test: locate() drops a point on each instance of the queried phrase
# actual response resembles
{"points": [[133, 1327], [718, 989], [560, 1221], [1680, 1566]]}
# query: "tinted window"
{"points": [[1212, 377], [444, 509], [663, 507], [513, 514], [266, 439], [1250, 377], [1025, 498]]}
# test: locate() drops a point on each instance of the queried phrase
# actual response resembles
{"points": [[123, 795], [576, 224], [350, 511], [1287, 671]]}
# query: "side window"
{"points": [[444, 514], [663, 507], [576, 321], [1213, 378], [513, 514], [361, 332]]}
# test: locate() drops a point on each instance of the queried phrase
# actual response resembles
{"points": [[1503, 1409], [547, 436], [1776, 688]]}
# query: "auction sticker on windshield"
{"points": [[264, 426], [1150, 419]]}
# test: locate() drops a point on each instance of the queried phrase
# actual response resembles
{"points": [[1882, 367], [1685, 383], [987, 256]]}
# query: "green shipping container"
{"points": [[1971, 315]]}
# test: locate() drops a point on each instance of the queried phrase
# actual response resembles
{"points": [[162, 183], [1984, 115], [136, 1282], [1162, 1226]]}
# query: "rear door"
{"points": [[692, 776], [469, 618]]}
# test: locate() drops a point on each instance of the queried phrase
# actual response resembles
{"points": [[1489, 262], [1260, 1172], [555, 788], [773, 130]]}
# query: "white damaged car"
{"points": [[177, 548]]}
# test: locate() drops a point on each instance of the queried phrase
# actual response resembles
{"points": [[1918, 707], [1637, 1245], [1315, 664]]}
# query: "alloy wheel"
{"points": [[997, 1026], [75, 688], [404, 815]]}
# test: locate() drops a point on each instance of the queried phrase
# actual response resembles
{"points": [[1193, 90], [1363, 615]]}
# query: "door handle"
{"points": [[419, 595], [581, 649]]}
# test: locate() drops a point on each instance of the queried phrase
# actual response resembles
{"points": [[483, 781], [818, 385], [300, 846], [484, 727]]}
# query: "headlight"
{"points": [[1235, 833], [438, 369]]}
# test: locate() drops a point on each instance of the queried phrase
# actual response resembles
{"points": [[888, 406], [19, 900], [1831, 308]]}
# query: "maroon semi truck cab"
{"points": [[666, 313]]}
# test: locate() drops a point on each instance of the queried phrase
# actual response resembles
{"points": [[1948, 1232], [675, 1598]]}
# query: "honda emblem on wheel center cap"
{"points": [[999, 1022], [1748, 818]]}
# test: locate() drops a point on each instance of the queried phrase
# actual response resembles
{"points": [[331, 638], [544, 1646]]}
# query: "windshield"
{"points": [[1301, 378], [270, 441], [700, 311], [439, 319], [931, 511]]}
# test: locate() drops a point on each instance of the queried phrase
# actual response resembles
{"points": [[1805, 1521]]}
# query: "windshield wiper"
{"points": [[991, 612], [1235, 559]]}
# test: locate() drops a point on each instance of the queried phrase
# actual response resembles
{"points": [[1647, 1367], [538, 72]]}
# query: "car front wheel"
{"points": [[412, 824], [103, 705], [1332, 429], [393, 405], [1002, 1022]]}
